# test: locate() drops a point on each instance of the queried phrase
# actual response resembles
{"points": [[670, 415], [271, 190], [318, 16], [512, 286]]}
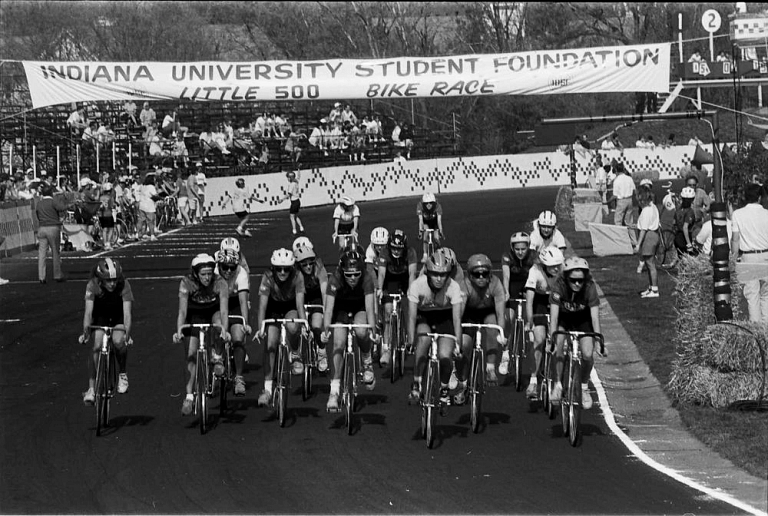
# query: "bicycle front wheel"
{"points": [[476, 390], [281, 400], [201, 396], [517, 354], [102, 400], [348, 394], [574, 405], [307, 355], [547, 385], [394, 347], [565, 401], [431, 402]]}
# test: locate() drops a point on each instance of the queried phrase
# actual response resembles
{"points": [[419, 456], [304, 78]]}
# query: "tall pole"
{"points": [[721, 272]]}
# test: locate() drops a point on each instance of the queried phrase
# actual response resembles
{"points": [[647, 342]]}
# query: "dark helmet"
{"points": [[351, 262], [398, 240]]}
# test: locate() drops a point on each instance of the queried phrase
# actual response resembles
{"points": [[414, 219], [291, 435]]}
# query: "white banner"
{"points": [[591, 70]]}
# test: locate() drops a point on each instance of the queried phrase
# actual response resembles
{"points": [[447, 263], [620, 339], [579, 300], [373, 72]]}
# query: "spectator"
{"points": [[695, 141], [318, 138], [685, 220], [649, 143], [695, 57], [623, 192], [147, 198], [704, 238], [49, 211], [700, 202], [5, 187], [219, 138], [270, 126], [194, 196], [648, 240], [181, 187], [334, 117], [641, 143], [170, 125], [202, 182], [607, 144], [90, 139], [750, 243], [105, 135], [259, 127], [156, 149], [601, 179], [406, 136], [670, 141], [722, 57], [616, 142], [396, 141], [356, 143], [399, 157], [651, 102], [179, 151], [281, 126], [335, 138], [128, 115], [147, 116], [106, 215], [77, 121], [263, 157], [348, 116]]}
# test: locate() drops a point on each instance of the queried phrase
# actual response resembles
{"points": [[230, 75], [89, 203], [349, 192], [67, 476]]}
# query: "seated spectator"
{"points": [[695, 57], [212, 140], [156, 148], [149, 134], [641, 143], [348, 116], [281, 124], [259, 127], [220, 140], [270, 129], [722, 57], [334, 117], [179, 151], [399, 157], [670, 141], [396, 141], [649, 143], [90, 138], [77, 121], [128, 115], [355, 142], [170, 125], [105, 135], [616, 142], [406, 136], [318, 138], [147, 116], [607, 144], [335, 137]]}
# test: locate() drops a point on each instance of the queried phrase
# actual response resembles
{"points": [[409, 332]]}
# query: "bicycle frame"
{"points": [[343, 241], [350, 379], [309, 354], [280, 373], [203, 386], [430, 399], [519, 353], [477, 372], [106, 377], [429, 239], [396, 336]]}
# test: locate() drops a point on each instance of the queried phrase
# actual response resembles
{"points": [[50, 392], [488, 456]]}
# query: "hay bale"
{"points": [[702, 385], [564, 203], [729, 349], [586, 196]]}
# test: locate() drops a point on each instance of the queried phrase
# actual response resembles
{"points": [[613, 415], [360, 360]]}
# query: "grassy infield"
{"points": [[741, 437]]}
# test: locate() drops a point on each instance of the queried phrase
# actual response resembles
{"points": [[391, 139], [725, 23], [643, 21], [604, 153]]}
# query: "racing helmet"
{"points": [[576, 263], [479, 261], [688, 193], [282, 258], [448, 252], [301, 253], [109, 269], [347, 201], [202, 261], [397, 240], [302, 241], [669, 202], [227, 257], [520, 237], [230, 244], [551, 256], [351, 262], [428, 197], [547, 218], [439, 263], [379, 236]]}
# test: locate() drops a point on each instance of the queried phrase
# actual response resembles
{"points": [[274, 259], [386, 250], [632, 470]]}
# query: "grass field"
{"points": [[741, 437]]}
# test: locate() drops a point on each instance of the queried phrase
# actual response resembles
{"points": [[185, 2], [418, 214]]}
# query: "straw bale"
{"points": [[703, 385], [729, 349]]}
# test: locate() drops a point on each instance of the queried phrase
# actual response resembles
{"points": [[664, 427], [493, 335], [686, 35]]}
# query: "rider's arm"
{"points": [[127, 319], [505, 279], [412, 273], [243, 297], [355, 222], [440, 225], [380, 277], [87, 316], [182, 317], [224, 306], [330, 301], [262, 312], [529, 306], [370, 311], [413, 306], [554, 315], [300, 305], [594, 312], [458, 309], [687, 234]]}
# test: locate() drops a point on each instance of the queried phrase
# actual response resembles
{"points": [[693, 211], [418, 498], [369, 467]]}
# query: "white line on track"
{"points": [[9, 320], [640, 454]]}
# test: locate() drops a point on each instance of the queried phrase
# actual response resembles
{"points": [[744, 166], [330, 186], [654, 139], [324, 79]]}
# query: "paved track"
{"points": [[155, 461]]}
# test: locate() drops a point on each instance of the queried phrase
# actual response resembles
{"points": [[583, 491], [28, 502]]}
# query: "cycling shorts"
{"points": [[439, 321], [279, 309], [204, 316], [576, 321], [342, 317], [475, 317]]}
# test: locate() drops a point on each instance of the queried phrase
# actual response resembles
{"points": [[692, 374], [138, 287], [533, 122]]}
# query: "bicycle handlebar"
{"points": [[282, 321], [489, 326], [581, 334], [306, 307], [350, 326], [203, 326]]}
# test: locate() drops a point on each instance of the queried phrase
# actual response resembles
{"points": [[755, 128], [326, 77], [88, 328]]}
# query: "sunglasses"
{"points": [[352, 275], [481, 274], [307, 263], [284, 270], [227, 267], [576, 281], [438, 274]]}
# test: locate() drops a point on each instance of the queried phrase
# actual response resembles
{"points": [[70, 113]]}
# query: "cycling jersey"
{"points": [[397, 275], [346, 218], [107, 306], [575, 313], [429, 217], [347, 299], [281, 296], [203, 298], [518, 272], [428, 300], [541, 285], [238, 282], [371, 256], [538, 242], [313, 295], [485, 300]]}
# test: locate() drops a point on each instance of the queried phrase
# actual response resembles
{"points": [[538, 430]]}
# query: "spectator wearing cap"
{"points": [[749, 243], [49, 211], [334, 117]]}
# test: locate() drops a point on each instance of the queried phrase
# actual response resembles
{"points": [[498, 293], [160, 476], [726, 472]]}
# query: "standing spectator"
{"points": [[259, 127], [194, 197], [106, 215], [181, 185], [623, 192], [239, 199], [750, 243], [202, 181], [90, 138], [179, 151], [294, 195], [49, 213], [348, 116], [147, 116], [396, 141], [700, 203], [399, 157], [77, 121], [334, 117], [128, 115], [648, 225], [293, 146], [318, 138], [601, 181], [147, 197]]}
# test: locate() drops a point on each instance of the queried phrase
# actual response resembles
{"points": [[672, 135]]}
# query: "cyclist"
{"points": [[232, 245], [239, 285], [396, 272], [315, 285], [379, 239], [574, 306], [430, 215], [537, 287], [484, 305], [203, 299], [435, 303], [281, 296], [515, 265], [108, 302], [346, 218], [349, 299], [547, 234], [303, 241], [685, 220], [457, 273]]}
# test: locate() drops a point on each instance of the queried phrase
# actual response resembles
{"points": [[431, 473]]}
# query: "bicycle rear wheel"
{"points": [[574, 405], [402, 346], [394, 347], [431, 403], [281, 399], [307, 355], [348, 394], [101, 393], [201, 396], [565, 409], [517, 354], [224, 381], [477, 386]]}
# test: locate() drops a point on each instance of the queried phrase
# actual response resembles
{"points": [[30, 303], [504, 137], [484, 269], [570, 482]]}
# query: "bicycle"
{"points": [[477, 373], [309, 356], [570, 404], [227, 379], [429, 237], [397, 338], [346, 242], [351, 371], [519, 353], [546, 383], [204, 378], [106, 376], [430, 400], [281, 374]]}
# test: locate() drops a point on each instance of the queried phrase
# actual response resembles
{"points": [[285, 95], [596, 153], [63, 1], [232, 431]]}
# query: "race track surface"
{"points": [[153, 460]]}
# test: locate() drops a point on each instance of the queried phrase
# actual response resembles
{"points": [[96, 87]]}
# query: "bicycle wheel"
{"points": [[431, 403], [224, 382], [394, 347], [565, 410], [402, 346], [348, 394], [517, 354], [307, 345], [574, 405], [101, 393], [281, 398], [201, 396], [476, 390], [547, 385]]}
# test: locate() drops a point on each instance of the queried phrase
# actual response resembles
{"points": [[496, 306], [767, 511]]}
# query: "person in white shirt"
{"points": [[749, 243], [648, 225], [695, 141], [170, 124], [318, 138], [607, 144], [623, 191], [704, 238], [147, 209], [239, 199], [294, 196], [77, 121]]}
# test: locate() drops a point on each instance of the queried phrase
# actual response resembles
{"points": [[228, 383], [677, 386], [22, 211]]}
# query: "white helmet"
{"points": [[302, 253], [379, 236], [302, 241], [346, 200], [201, 261], [230, 244], [106, 186], [282, 258], [547, 218], [85, 182], [551, 256], [688, 193], [428, 197], [669, 202]]}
